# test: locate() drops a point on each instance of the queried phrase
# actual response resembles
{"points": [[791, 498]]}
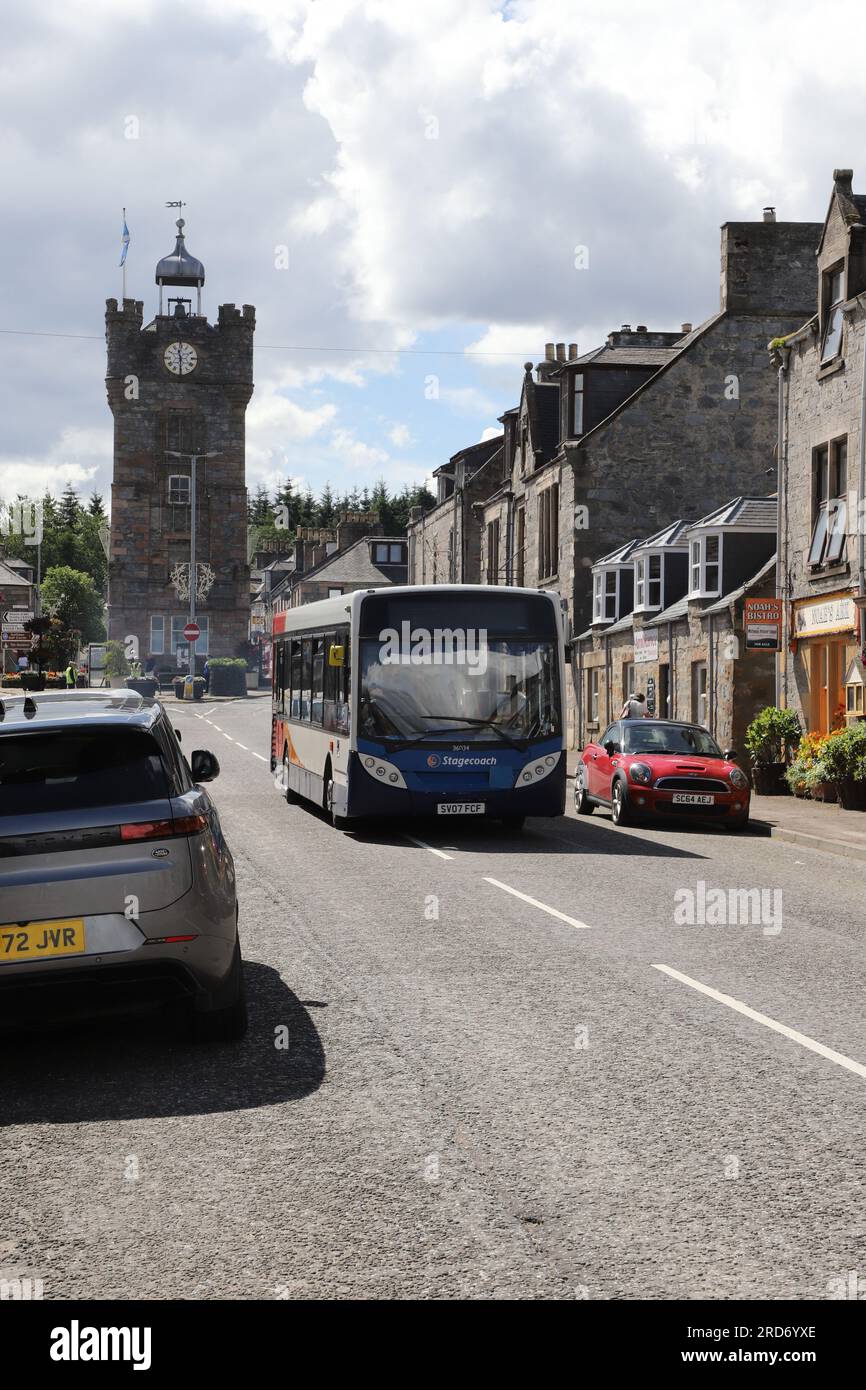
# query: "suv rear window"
{"points": [[66, 769]]}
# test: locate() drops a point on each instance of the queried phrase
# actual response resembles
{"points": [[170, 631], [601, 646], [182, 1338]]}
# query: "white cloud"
{"points": [[400, 436], [348, 449]]}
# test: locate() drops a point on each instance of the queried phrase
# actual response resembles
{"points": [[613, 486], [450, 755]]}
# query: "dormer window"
{"points": [[578, 404], [705, 554], [605, 596], [388, 554], [834, 297], [648, 582]]}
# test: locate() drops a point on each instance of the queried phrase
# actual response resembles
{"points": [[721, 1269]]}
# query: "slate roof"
{"points": [[620, 556], [754, 513], [670, 536], [626, 356], [11, 576], [355, 565], [721, 604]]}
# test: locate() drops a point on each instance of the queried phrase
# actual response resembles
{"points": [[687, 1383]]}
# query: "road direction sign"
{"points": [[192, 632], [18, 616]]}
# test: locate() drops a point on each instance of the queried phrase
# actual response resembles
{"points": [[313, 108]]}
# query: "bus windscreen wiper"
{"points": [[470, 723]]}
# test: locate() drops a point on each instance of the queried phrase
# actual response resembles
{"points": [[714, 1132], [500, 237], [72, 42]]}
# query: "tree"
{"points": [[96, 507], [73, 598]]}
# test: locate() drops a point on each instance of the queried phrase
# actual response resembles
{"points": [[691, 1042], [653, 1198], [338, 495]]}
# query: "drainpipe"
{"points": [[781, 536], [672, 678], [579, 692], [711, 676], [606, 680], [861, 510], [509, 536]]}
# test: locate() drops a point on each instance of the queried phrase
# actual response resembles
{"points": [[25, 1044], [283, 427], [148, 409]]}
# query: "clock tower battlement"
{"points": [[178, 385]]}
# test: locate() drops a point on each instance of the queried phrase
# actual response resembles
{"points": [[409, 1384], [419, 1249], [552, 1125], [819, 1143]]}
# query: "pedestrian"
{"points": [[23, 661], [206, 674], [634, 707], [71, 676]]}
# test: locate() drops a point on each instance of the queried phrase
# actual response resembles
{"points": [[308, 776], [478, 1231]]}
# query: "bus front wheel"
{"points": [[338, 822]]}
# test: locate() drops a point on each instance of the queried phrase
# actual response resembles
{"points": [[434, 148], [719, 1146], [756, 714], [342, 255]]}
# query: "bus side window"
{"points": [[295, 674], [317, 707], [306, 677]]}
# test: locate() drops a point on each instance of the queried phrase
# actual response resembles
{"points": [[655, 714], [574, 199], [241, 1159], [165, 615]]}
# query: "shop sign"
{"points": [[836, 613], [646, 645], [762, 623]]}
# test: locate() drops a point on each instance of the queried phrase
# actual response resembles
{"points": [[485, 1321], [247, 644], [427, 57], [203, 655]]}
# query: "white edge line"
{"points": [[842, 1061], [552, 911], [422, 844]]}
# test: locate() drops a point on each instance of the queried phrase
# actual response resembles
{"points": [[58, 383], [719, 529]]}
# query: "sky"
{"points": [[416, 195]]}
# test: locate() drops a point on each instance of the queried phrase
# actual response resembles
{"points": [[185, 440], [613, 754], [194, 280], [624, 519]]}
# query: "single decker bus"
{"points": [[429, 700]]}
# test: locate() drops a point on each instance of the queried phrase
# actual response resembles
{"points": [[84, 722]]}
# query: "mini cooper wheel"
{"points": [[619, 807], [582, 804]]}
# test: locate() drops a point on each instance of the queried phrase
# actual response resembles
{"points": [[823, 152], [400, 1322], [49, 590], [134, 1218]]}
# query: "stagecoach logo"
{"points": [[438, 646], [434, 760]]}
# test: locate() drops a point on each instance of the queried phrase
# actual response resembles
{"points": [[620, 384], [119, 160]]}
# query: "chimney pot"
{"points": [[572, 351], [626, 328], [641, 328], [560, 352], [769, 214], [686, 327], [549, 352]]}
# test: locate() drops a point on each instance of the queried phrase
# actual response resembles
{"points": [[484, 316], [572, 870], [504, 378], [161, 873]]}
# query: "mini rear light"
{"points": [[163, 829]]}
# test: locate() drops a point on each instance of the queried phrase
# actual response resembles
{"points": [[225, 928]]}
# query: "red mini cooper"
{"points": [[658, 767]]}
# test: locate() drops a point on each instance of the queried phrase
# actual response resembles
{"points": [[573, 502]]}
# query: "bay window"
{"points": [[605, 595], [704, 566], [648, 582]]}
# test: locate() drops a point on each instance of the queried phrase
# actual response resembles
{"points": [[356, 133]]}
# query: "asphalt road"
{"points": [[490, 1088]]}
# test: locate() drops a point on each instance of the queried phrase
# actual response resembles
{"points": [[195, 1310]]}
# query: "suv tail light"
{"points": [[163, 829]]}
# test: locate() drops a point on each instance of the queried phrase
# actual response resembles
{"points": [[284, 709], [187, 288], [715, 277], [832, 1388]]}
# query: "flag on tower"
{"points": [[124, 240]]}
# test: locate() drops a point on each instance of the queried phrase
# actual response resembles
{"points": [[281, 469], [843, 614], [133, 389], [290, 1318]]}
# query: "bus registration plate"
{"points": [[460, 808]]}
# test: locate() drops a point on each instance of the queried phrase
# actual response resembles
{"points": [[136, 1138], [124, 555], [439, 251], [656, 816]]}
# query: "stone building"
{"points": [[327, 561], [177, 386], [611, 444], [445, 543], [822, 383], [668, 622]]}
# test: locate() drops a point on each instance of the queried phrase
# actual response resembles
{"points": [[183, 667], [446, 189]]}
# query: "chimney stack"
{"points": [[641, 328], [560, 352], [686, 327], [549, 352], [626, 328], [769, 214], [572, 352]]}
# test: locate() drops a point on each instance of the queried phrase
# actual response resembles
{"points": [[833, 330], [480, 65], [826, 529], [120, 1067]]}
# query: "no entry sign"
{"points": [[192, 632]]}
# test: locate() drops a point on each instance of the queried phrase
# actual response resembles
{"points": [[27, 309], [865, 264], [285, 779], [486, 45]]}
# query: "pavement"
{"points": [[559, 1064]]}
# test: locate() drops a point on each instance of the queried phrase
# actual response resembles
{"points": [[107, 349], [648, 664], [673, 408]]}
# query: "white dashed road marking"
{"points": [[828, 1052], [533, 902], [422, 844]]}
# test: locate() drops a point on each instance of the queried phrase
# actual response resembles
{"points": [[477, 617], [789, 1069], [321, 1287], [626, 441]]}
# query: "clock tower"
{"points": [[179, 386]]}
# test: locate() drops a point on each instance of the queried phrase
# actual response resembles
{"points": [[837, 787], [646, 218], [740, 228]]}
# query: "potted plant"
{"points": [[227, 675], [801, 775], [770, 739], [178, 683], [844, 759]]}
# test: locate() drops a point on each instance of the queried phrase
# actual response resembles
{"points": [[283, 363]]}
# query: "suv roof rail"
{"points": [[29, 707]]}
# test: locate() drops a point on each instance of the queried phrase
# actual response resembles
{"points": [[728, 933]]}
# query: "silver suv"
{"points": [[117, 888]]}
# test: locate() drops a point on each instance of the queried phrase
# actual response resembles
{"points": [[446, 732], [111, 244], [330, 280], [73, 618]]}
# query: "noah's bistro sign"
{"points": [[836, 613]]}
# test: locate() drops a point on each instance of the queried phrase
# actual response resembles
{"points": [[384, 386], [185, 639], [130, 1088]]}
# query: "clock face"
{"points": [[180, 358]]}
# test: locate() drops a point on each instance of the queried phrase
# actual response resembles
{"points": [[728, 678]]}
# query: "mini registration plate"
{"points": [[460, 808], [693, 799], [36, 940]]}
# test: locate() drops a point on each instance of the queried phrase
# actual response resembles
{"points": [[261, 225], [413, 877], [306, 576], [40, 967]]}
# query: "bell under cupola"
{"points": [[180, 268]]}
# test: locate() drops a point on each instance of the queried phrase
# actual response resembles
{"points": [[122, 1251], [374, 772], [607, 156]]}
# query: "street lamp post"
{"points": [[193, 460]]}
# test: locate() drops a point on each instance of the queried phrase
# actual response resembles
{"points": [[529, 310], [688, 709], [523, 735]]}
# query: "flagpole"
{"points": [[124, 259]]}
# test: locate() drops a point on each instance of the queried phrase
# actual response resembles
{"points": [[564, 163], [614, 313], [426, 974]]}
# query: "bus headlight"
{"points": [[380, 771], [537, 769]]}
